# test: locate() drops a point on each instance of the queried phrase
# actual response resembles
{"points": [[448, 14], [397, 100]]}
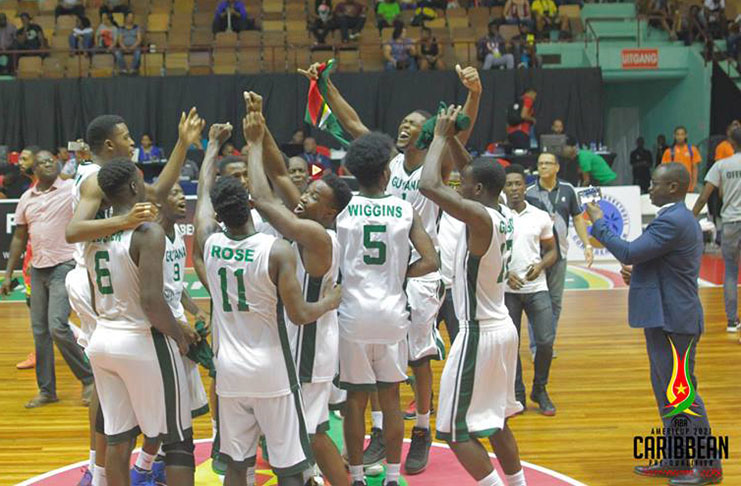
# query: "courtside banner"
{"points": [[639, 58], [622, 208]]}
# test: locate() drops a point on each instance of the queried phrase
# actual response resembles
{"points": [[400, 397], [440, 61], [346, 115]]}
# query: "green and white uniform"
{"points": [[173, 266], [138, 371], [425, 294], [78, 288], [314, 346], [477, 388], [374, 242], [256, 379]]}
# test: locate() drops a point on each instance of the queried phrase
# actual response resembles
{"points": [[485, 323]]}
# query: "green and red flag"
{"points": [[318, 112], [680, 392]]}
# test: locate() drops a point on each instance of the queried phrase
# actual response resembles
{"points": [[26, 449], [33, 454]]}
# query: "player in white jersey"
{"points": [[252, 276], [478, 380], [134, 348], [424, 295], [374, 232], [314, 346], [108, 138]]}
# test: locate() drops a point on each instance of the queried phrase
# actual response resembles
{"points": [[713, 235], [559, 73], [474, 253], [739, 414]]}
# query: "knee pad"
{"points": [[180, 453]]}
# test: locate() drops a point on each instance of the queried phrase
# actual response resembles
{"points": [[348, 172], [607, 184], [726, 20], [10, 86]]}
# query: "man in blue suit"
{"points": [[662, 267]]}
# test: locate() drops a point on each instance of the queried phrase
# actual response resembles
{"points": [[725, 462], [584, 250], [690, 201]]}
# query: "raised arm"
{"points": [[189, 131], [431, 184], [470, 78], [272, 158], [283, 273], [148, 251], [346, 114], [205, 218], [703, 198], [309, 234]]}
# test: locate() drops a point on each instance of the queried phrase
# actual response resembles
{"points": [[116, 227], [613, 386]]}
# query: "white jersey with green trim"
{"points": [[405, 185], [84, 170], [173, 266], [315, 345], [373, 233], [479, 282], [250, 340], [115, 282]]}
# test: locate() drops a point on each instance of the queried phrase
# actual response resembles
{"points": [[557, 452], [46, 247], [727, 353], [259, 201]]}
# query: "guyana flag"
{"points": [[680, 393], [318, 113]]}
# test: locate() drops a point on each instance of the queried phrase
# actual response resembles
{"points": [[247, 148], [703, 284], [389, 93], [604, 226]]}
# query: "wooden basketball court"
{"points": [[599, 382]]}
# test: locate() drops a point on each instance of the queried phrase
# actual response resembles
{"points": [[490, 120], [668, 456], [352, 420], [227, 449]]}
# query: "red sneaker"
{"points": [[28, 363]]}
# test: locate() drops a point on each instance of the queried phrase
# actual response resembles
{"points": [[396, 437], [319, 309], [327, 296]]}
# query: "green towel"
{"points": [[200, 352], [428, 129]]}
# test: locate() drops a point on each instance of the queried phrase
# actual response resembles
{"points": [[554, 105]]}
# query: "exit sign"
{"points": [[640, 58]]}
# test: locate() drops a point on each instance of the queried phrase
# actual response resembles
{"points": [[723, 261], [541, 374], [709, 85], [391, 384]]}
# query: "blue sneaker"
{"points": [[158, 473], [141, 478], [86, 479]]}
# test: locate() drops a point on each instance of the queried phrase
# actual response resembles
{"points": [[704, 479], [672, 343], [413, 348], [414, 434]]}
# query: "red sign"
{"points": [[640, 58]]}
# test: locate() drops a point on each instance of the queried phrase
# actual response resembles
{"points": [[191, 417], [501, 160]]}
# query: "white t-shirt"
{"points": [[451, 231], [531, 226]]}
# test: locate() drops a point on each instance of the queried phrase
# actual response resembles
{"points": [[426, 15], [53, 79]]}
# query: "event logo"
{"points": [[616, 217], [680, 393]]}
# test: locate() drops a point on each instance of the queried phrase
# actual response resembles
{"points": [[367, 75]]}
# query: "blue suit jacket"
{"points": [[666, 266]]}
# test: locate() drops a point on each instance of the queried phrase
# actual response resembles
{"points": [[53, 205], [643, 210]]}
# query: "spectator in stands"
{"points": [[229, 149], [491, 50], [349, 16], [312, 157], [322, 23], [547, 18], [114, 6], [520, 124], [298, 137], [148, 151], [29, 37], [399, 52], [713, 17], [661, 147], [387, 12], [70, 7], [557, 127], [190, 171], [129, 41], [81, 38], [594, 169], [231, 16], [688, 26], [685, 153], [431, 52], [662, 17], [518, 12], [7, 41], [298, 171], [523, 48], [107, 33], [641, 160], [19, 177]]}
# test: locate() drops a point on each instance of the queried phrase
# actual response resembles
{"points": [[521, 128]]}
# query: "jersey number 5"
{"points": [[370, 244], [102, 274], [241, 293]]}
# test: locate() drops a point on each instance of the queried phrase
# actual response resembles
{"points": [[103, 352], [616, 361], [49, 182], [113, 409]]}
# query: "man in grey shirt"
{"points": [[725, 175]]}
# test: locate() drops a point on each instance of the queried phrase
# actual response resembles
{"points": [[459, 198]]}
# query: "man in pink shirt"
{"points": [[42, 215]]}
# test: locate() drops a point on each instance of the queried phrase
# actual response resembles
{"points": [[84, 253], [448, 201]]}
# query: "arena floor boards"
{"points": [[599, 382]]}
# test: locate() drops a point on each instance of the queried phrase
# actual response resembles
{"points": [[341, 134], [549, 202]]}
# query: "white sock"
{"points": [[99, 477], [517, 479], [492, 479], [392, 472], [356, 473], [251, 476], [144, 461], [377, 419], [423, 420], [91, 465]]}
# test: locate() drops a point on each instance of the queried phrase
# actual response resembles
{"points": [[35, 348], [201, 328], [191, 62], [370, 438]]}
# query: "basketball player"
{"points": [[108, 138], [314, 346], [134, 347], [425, 295], [478, 381], [374, 231], [252, 276]]}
